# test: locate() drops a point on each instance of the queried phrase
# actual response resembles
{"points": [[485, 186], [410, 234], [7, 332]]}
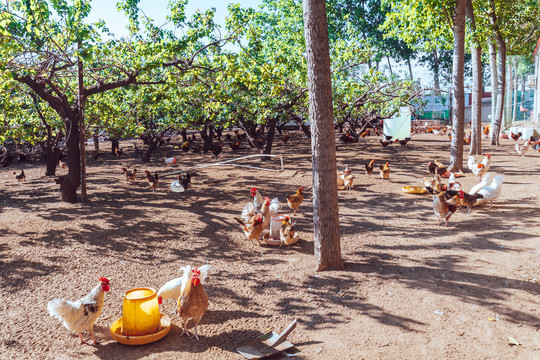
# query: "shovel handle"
{"points": [[285, 333]]}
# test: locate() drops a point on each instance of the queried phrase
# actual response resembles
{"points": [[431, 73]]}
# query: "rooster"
{"points": [[258, 199], [485, 130], [152, 180], [369, 167], [385, 171], [185, 146], [80, 315], [193, 301], [515, 137], [253, 229], [522, 149], [285, 138], [235, 146], [130, 175], [62, 164], [404, 141], [384, 143], [348, 180], [216, 149], [286, 232], [182, 184], [20, 176], [295, 200], [468, 199], [442, 208], [479, 169]]}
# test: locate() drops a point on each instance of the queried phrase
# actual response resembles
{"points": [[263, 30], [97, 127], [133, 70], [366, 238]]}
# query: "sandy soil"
{"points": [[410, 289]]}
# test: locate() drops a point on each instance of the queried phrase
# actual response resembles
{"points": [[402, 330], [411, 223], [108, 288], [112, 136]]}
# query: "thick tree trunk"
{"points": [[476, 108], [95, 136], [458, 101], [501, 75], [410, 69], [270, 135], [70, 182], [147, 154], [207, 134], [515, 84], [436, 82], [325, 204], [494, 82]]}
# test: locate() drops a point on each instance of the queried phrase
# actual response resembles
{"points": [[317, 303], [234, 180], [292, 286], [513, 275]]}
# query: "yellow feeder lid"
{"points": [[414, 189], [164, 328]]}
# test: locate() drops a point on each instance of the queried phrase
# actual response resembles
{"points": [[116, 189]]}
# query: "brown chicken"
{"points": [[20, 176], [193, 301], [369, 167], [295, 200], [515, 137], [385, 171], [130, 175], [286, 232], [254, 229], [153, 181], [436, 168], [443, 209], [348, 181], [468, 200], [62, 164]]}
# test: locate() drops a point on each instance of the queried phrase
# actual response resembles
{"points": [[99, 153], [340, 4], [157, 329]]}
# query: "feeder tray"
{"points": [[277, 242], [267, 345], [164, 328], [414, 189]]}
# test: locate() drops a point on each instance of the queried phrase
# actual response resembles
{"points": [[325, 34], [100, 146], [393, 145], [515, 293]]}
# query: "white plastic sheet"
{"points": [[399, 126]]}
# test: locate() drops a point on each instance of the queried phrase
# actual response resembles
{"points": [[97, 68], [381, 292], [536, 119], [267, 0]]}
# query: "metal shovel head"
{"points": [[261, 347], [267, 344]]}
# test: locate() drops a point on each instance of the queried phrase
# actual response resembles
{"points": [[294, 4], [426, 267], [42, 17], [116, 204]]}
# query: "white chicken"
{"points": [[479, 169], [485, 181], [258, 200], [80, 315], [267, 210], [491, 192], [522, 149], [452, 183]]}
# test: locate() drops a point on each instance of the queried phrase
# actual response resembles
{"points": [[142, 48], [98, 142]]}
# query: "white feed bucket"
{"points": [[275, 225], [171, 160], [176, 186]]}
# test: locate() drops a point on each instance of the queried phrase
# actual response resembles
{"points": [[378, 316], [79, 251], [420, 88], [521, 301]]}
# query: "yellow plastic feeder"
{"points": [[140, 314]]}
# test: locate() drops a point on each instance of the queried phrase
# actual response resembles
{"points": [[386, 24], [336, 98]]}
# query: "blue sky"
{"points": [[157, 10]]}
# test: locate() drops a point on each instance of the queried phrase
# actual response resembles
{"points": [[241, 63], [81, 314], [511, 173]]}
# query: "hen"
{"points": [[491, 192], [252, 229], [485, 181], [80, 315], [153, 181], [193, 301], [522, 149], [468, 200], [515, 137], [385, 171], [348, 181], [286, 232], [216, 149], [369, 167], [258, 199], [130, 175], [20, 176], [442, 208], [295, 200], [479, 169]]}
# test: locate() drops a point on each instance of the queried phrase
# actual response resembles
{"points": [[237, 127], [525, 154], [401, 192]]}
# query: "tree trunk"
{"points": [[515, 84], [436, 70], [115, 144], [501, 75], [458, 100], [207, 134], [476, 108], [494, 82], [70, 182], [270, 136], [389, 65], [410, 69], [152, 146], [95, 136], [325, 205]]}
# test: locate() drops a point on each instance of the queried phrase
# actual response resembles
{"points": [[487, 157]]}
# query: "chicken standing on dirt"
{"points": [[442, 208], [153, 181], [20, 176], [130, 175], [193, 300], [80, 315], [295, 200], [254, 229], [286, 232], [369, 167], [385, 171]]}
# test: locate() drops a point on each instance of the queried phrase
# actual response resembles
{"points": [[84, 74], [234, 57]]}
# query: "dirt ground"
{"points": [[410, 289]]}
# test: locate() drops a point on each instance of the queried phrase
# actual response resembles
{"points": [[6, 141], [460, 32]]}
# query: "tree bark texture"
{"points": [[494, 82], [476, 108], [436, 81], [323, 147], [458, 100], [501, 74], [515, 84]]}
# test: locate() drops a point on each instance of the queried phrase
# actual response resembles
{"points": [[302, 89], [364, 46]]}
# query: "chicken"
{"points": [[485, 182], [485, 130], [479, 169], [172, 288], [452, 183], [437, 168], [522, 149], [385, 171], [404, 141], [435, 183], [185, 146], [349, 137], [216, 149], [118, 151], [182, 184], [286, 232], [468, 200], [269, 209], [348, 181], [295, 200], [62, 164], [193, 300], [253, 229], [20, 176], [442, 208], [258, 199], [491, 192], [285, 138], [130, 175], [369, 167], [235, 146], [153, 181], [384, 143], [80, 315], [515, 137]]}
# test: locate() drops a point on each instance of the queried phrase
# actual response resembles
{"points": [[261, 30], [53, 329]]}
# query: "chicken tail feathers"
{"points": [[59, 308]]}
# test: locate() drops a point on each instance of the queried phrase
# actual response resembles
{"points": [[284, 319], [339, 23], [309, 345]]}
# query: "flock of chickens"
{"points": [[533, 142], [447, 198]]}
